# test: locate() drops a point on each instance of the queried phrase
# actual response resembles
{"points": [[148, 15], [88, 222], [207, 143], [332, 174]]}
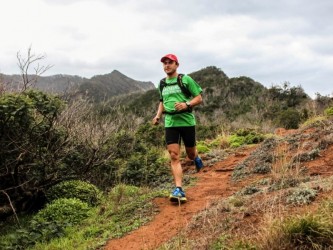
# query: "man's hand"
{"points": [[156, 120], [180, 106]]}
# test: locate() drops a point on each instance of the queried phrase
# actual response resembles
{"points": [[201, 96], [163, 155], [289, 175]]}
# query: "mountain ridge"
{"points": [[96, 87]]}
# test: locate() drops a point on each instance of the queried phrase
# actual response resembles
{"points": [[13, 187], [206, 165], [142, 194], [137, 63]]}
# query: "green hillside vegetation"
{"points": [[113, 159], [229, 104]]}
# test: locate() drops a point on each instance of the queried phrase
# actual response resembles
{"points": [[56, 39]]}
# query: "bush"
{"points": [[121, 193], [35, 232], [206, 132], [249, 190], [63, 210], [81, 190], [202, 147], [314, 121], [152, 135], [308, 232], [312, 230], [262, 169], [48, 223], [236, 141], [288, 119], [245, 136], [301, 196], [146, 168], [328, 111]]}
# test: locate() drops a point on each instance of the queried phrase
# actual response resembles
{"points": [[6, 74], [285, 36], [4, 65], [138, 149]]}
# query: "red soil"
{"points": [[213, 183]]}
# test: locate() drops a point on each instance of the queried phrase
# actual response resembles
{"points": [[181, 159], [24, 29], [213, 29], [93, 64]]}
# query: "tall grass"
{"points": [[313, 230]]}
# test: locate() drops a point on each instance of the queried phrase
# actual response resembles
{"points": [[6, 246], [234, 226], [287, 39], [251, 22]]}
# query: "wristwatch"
{"points": [[188, 104]]}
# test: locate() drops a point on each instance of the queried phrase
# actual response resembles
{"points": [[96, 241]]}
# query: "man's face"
{"points": [[169, 66]]}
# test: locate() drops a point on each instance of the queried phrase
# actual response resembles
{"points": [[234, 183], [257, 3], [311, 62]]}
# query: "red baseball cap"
{"points": [[171, 57]]}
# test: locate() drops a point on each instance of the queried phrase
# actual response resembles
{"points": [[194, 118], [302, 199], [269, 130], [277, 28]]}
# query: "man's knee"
{"points": [[174, 152], [174, 155]]}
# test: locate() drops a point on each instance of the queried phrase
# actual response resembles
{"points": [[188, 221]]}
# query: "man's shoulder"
{"points": [[187, 79], [184, 77]]}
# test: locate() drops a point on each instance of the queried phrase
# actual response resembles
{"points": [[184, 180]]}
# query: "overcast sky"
{"points": [[268, 40]]}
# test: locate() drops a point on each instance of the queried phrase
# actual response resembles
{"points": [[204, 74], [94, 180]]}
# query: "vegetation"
{"points": [[63, 210], [286, 208], [329, 111], [75, 172], [83, 191], [308, 231], [68, 223]]}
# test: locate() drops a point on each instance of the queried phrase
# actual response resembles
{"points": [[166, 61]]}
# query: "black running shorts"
{"points": [[175, 134]]}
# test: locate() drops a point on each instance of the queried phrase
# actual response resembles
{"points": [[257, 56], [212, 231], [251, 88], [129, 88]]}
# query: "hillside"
{"points": [[102, 87], [98, 88], [111, 150], [238, 199], [238, 101]]}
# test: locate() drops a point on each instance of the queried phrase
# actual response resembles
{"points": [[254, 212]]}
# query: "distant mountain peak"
{"points": [[98, 87], [116, 72]]}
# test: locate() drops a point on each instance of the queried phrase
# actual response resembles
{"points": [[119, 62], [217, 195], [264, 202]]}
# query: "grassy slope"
{"points": [[290, 204]]}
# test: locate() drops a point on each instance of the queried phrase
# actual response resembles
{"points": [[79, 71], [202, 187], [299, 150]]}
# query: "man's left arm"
{"points": [[196, 101], [190, 104]]}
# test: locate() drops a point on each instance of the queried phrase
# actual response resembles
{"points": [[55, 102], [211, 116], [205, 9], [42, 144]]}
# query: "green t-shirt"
{"points": [[172, 94]]}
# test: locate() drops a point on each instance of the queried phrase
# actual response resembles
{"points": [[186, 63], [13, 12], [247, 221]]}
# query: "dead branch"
{"points": [[11, 205], [25, 63]]}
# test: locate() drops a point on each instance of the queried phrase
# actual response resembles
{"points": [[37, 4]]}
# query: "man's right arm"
{"points": [[157, 118]]}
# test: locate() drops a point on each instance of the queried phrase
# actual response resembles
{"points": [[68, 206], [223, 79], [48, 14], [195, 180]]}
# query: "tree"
{"points": [[31, 147], [25, 64]]}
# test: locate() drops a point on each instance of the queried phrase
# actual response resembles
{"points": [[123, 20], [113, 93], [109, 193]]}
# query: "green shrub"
{"points": [[202, 148], [254, 138], [236, 201], [219, 141], [224, 243], [328, 111], [313, 230], [236, 141], [262, 169], [24, 238], [81, 190], [301, 196], [206, 132], [308, 232], [284, 182], [63, 210], [145, 168], [240, 171], [307, 156], [288, 119], [245, 136], [121, 193], [152, 135], [314, 121], [249, 190]]}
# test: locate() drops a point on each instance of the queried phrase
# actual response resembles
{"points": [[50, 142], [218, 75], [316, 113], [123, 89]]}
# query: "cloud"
{"points": [[269, 41]]}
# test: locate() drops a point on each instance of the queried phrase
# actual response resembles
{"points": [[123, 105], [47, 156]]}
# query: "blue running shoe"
{"points": [[198, 163], [177, 195]]}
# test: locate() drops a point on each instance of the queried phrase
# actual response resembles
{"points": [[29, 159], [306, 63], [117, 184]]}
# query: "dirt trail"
{"points": [[213, 183]]}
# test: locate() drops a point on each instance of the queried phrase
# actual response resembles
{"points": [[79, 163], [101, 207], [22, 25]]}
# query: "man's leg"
{"points": [[172, 138], [191, 152], [176, 168], [190, 147]]}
